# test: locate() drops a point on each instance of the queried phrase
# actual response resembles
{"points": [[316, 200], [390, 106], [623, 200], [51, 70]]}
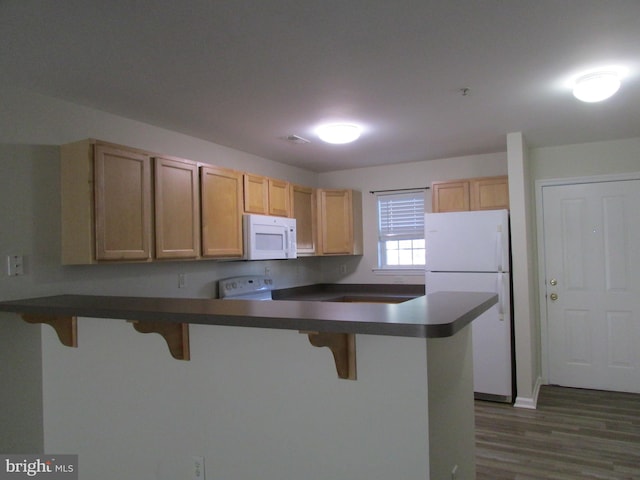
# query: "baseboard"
{"points": [[492, 398], [529, 402]]}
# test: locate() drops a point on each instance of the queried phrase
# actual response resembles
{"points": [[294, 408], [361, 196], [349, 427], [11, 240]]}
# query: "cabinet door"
{"points": [[450, 196], [122, 204], [221, 191], [490, 193], [279, 198], [336, 222], [177, 208], [303, 200], [256, 194]]}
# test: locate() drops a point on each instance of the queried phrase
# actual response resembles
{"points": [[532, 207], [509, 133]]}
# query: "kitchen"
{"points": [[35, 225], [201, 281], [31, 132]]}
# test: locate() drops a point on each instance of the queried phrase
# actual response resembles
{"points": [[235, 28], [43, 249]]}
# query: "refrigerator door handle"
{"points": [[501, 295], [499, 251]]}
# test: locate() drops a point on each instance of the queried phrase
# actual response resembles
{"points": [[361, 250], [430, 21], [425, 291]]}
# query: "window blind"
{"points": [[401, 215]]}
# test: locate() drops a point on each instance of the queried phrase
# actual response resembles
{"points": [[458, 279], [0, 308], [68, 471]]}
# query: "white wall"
{"points": [[586, 159], [523, 273], [21, 392], [408, 175]]}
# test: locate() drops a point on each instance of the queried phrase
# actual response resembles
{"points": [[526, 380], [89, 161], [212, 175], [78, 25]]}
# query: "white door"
{"points": [[592, 284]]}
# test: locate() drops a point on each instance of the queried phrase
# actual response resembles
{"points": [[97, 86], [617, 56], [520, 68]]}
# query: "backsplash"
{"points": [[184, 279]]}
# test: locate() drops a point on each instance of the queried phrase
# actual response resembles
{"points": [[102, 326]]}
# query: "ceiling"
{"points": [[246, 73]]}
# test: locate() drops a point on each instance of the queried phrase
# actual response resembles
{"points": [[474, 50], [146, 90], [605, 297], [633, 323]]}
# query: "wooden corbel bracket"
{"points": [[65, 326], [343, 347], [175, 334]]}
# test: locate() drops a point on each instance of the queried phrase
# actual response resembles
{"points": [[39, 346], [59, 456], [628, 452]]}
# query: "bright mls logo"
{"points": [[51, 467]]}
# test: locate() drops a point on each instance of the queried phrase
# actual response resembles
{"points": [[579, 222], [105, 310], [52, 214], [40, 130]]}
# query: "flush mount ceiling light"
{"points": [[338, 133], [595, 87]]}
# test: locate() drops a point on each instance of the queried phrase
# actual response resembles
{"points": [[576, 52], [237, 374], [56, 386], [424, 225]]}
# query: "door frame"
{"points": [[542, 272]]}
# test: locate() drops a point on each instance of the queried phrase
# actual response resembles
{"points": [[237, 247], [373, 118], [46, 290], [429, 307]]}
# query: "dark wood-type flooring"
{"points": [[574, 434]]}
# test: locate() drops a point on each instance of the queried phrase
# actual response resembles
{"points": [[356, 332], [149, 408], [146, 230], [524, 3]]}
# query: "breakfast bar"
{"points": [[439, 314], [413, 391]]}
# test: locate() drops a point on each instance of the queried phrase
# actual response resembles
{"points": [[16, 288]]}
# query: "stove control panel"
{"points": [[244, 285]]}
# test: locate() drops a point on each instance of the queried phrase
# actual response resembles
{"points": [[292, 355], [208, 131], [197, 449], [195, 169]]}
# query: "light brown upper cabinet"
{"points": [[490, 193], [256, 194], [266, 196], [106, 203], [340, 222], [303, 203], [450, 196], [177, 208], [484, 193], [279, 198], [221, 191]]}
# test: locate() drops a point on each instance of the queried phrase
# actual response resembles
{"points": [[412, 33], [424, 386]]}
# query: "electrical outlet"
{"points": [[198, 467], [267, 271], [182, 280], [343, 268], [15, 265]]}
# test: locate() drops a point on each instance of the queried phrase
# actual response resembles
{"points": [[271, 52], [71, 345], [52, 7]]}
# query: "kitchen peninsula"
{"points": [[276, 401]]}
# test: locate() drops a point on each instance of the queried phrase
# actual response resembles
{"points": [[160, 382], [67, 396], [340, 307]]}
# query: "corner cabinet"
{"points": [[118, 203], [339, 222], [106, 203], [221, 191], [484, 193]]}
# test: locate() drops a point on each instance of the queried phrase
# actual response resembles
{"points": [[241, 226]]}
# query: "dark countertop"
{"points": [[341, 292], [439, 314]]}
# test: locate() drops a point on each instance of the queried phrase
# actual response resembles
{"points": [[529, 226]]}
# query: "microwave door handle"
{"points": [[291, 243], [287, 241]]}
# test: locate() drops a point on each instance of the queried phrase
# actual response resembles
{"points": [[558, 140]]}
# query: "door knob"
{"points": [[553, 296], [553, 282]]}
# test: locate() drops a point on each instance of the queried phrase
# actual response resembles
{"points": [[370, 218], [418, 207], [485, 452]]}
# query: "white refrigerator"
{"points": [[466, 252]]}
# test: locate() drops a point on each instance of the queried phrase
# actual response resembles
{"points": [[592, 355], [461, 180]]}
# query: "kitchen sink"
{"points": [[367, 299]]}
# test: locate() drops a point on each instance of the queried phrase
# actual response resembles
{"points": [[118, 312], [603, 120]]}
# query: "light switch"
{"points": [[15, 265], [198, 468]]}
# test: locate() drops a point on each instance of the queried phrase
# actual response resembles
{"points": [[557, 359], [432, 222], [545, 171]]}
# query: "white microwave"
{"points": [[267, 237]]}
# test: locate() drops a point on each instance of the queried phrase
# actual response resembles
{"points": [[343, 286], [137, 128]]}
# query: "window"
{"points": [[401, 230]]}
